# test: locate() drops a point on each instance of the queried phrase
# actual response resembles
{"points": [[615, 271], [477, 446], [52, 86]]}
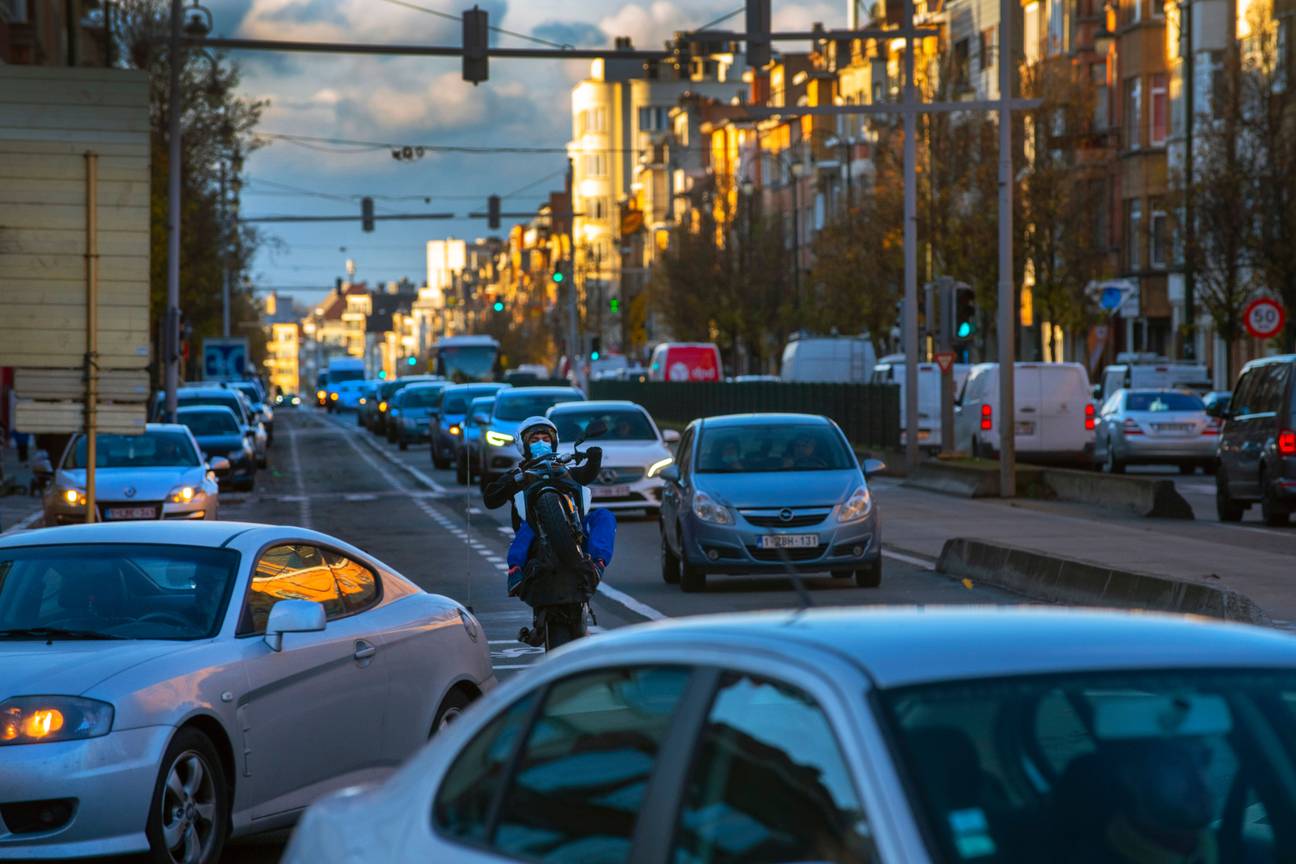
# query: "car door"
{"points": [[1248, 422], [672, 492], [1028, 425], [315, 712]]}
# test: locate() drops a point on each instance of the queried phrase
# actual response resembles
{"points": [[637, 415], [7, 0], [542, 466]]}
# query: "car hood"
{"points": [[505, 427], [780, 488], [150, 484], [71, 667], [627, 454]]}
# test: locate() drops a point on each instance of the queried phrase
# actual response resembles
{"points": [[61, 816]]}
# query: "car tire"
{"points": [[452, 706], [1112, 465], [359, 419], [670, 563], [178, 812], [1273, 512], [870, 576], [1226, 508], [402, 442], [438, 461], [692, 580]]}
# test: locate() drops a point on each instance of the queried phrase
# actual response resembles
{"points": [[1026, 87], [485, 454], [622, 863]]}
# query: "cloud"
{"points": [[576, 33]]}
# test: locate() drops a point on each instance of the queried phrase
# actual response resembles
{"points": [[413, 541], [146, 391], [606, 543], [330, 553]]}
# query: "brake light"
{"points": [[987, 418], [1129, 427], [1287, 443], [1090, 416], [1212, 426]]}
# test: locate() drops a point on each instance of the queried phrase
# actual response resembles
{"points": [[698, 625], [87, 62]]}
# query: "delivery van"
{"points": [[1054, 418]]}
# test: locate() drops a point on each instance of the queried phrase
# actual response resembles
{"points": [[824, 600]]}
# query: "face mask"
{"points": [[540, 448]]}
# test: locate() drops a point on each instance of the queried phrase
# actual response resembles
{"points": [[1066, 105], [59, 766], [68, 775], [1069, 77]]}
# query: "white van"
{"points": [[1055, 413], [1155, 374], [891, 370], [835, 359]]}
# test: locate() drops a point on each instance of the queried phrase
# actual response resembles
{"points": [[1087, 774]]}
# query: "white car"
{"points": [[851, 736], [163, 685], [635, 451]]}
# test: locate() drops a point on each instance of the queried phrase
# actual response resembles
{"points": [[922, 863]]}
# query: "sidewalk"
{"points": [[1259, 563], [15, 508]]}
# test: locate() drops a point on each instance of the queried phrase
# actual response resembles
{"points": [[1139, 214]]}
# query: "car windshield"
{"points": [[421, 397], [791, 447], [337, 376], [126, 591], [466, 362], [1160, 402], [202, 423], [1103, 767], [155, 449], [454, 404], [623, 425], [229, 401], [520, 406]]}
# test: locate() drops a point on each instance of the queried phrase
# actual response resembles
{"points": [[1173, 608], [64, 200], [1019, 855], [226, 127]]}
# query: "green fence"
{"points": [[869, 414]]}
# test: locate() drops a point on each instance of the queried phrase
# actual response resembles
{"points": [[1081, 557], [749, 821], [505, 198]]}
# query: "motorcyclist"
{"points": [[538, 437]]}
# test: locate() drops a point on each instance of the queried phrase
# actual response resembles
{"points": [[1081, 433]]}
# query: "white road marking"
{"points": [[512, 665], [360, 496], [636, 606], [504, 529], [294, 456], [909, 559], [26, 522]]}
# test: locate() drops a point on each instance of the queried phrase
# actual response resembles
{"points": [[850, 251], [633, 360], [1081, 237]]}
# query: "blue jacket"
{"points": [[600, 529]]}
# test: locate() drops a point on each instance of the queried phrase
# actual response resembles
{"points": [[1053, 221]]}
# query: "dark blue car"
{"points": [[219, 433]]}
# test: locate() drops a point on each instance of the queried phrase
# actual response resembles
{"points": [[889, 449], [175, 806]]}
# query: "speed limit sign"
{"points": [[1264, 318]]}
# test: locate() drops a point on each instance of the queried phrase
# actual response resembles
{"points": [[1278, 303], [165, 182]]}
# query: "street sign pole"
{"points": [[92, 330], [171, 325], [945, 362], [910, 248], [1007, 306]]}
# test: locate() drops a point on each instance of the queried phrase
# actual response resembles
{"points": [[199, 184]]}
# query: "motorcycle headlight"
{"points": [[184, 494], [708, 509], [659, 466], [857, 506], [37, 719], [498, 439]]}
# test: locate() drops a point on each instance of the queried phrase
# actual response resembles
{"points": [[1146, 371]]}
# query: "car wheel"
{"points": [[461, 470], [359, 419], [189, 814], [870, 576], [1272, 510], [402, 442], [438, 461], [451, 708], [1111, 464], [692, 579], [670, 565], [1226, 508]]}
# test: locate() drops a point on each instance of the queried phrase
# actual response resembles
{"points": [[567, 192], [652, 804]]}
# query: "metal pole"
{"points": [[796, 244], [224, 251], [945, 344], [1190, 273], [1007, 307], [910, 249], [171, 326], [576, 362], [92, 330]]}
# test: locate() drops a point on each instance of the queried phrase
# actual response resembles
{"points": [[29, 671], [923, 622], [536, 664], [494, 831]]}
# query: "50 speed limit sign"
{"points": [[1264, 318]]}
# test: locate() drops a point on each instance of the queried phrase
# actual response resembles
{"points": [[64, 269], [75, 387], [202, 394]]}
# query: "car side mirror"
{"points": [[671, 436], [670, 474], [292, 616], [219, 465], [873, 466], [41, 466]]}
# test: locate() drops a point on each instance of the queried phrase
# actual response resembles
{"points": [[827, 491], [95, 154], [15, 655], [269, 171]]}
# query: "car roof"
{"points": [[735, 420], [199, 533], [899, 647], [482, 400], [424, 385], [476, 385], [597, 405], [540, 391], [205, 409], [1265, 361]]}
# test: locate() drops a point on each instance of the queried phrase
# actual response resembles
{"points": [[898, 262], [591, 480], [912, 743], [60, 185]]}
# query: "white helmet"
{"points": [[528, 426]]}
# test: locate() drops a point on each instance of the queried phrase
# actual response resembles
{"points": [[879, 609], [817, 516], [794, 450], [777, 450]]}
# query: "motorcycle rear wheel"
{"points": [[563, 624], [557, 530]]}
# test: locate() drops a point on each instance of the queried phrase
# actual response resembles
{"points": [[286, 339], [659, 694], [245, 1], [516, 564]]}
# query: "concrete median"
{"points": [[969, 478], [1057, 579], [1142, 496]]}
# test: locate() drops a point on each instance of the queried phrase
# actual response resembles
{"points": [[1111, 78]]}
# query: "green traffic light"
{"points": [[382, 373], [594, 355], [557, 276], [964, 329], [413, 361], [499, 306], [615, 305]]}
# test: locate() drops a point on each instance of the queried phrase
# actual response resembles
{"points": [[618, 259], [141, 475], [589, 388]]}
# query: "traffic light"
{"points": [[412, 361], [476, 35], [366, 213], [382, 374], [498, 306], [758, 22], [493, 212], [614, 306], [558, 275], [964, 314], [596, 348]]}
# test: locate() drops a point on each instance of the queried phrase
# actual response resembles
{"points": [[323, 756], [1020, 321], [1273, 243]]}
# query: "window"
{"points": [[1133, 234], [357, 583], [1158, 110], [1159, 238], [1244, 397], [961, 71], [1270, 389], [1057, 42], [1133, 110], [768, 783], [464, 801], [986, 48], [1098, 75], [583, 771], [1031, 32], [596, 165], [289, 572]]}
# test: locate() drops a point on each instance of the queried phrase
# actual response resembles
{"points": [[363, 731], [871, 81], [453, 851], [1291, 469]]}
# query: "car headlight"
{"points": [[333, 397], [184, 494], [709, 510], [364, 401], [296, 400], [382, 406], [857, 506], [454, 430], [498, 439], [74, 497], [320, 394], [37, 719], [659, 466]]}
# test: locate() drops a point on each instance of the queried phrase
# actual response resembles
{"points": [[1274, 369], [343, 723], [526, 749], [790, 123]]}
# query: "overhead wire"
{"points": [[450, 16]]}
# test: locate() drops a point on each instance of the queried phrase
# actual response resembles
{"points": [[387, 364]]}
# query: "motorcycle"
{"points": [[560, 578]]}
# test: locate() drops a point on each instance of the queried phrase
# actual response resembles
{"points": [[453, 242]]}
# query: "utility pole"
{"points": [[911, 247], [1007, 306], [574, 343], [1190, 179], [171, 325], [92, 333], [225, 282]]}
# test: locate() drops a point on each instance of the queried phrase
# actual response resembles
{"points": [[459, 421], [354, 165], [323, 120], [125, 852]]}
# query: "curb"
{"points": [[1056, 579]]}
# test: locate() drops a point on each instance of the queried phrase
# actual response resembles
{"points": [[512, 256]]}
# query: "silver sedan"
{"points": [[857, 736], [164, 685], [1155, 427]]}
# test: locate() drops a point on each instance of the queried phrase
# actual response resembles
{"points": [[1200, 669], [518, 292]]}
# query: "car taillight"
{"points": [[1090, 416], [1129, 427], [987, 418], [1212, 426], [1287, 443]]}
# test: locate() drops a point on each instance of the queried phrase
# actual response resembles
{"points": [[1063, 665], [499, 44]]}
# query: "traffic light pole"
{"points": [[575, 349]]}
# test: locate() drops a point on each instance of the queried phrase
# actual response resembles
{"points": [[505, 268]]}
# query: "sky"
{"points": [[321, 100]]}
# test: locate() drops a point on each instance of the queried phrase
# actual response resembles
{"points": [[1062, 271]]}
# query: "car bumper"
{"points": [[735, 548], [111, 779], [415, 430], [1197, 447], [60, 513]]}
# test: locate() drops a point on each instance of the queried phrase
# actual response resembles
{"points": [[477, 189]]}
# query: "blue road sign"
{"points": [[224, 359]]}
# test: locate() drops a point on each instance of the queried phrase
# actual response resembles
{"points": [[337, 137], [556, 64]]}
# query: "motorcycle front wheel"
{"points": [[563, 624], [557, 529]]}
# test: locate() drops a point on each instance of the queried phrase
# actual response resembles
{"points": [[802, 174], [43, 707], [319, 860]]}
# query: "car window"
{"points": [[622, 425], [745, 449], [520, 406], [582, 773], [1276, 386], [454, 405], [422, 397], [289, 572], [202, 423], [156, 449], [359, 586], [1246, 391], [1163, 401], [768, 784], [1112, 405], [471, 786]]}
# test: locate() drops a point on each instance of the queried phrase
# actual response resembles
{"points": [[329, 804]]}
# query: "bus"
{"points": [[463, 359]]}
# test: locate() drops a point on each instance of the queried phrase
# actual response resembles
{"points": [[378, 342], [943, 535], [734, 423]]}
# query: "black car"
{"points": [[1257, 449], [219, 433]]}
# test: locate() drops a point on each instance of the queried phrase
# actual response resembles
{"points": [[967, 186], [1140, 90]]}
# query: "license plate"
{"points": [[1173, 427], [924, 434], [610, 491], [130, 513], [1025, 427], [788, 541]]}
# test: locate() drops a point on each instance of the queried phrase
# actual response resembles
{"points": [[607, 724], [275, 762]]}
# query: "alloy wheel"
{"points": [[188, 809]]}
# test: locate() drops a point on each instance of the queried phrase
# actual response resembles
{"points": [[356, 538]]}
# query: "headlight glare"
{"points": [[498, 439], [183, 494], [37, 719], [74, 497], [857, 506], [659, 466], [709, 510], [454, 430]]}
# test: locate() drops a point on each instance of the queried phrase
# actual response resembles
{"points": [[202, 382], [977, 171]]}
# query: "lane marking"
{"points": [[294, 456], [910, 559], [636, 606], [414, 472], [25, 523]]}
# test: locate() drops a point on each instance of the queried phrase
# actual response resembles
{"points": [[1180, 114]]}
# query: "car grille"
{"points": [[773, 519], [618, 476], [793, 555]]}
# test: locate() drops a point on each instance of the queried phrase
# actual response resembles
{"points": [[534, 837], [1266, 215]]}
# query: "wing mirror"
{"points": [[219, 465], [670, 474], [41, 466], [292, 616], [671, 436], [873, 466]]}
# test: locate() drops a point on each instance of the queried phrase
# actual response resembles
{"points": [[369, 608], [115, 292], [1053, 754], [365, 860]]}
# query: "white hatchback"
{"points": [[635, 451]]}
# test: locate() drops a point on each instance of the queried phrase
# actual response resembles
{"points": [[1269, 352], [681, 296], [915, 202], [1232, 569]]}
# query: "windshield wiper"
{"points": [[54, 633]]}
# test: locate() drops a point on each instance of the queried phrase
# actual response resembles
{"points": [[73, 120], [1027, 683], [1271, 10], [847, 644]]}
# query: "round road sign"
{"points": [[1264, 318]]}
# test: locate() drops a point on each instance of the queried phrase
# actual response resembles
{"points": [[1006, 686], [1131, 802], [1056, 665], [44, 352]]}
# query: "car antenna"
{"points": [[798, 585]]}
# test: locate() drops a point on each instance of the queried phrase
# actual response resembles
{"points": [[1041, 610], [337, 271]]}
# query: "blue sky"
{"points": [[421, 101]]}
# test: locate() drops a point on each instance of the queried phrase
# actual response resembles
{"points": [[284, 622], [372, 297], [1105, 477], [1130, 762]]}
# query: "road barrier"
{"points": [[869, 414]]}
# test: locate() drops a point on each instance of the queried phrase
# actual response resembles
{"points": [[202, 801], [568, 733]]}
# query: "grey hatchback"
{"points": [[768, 493], [1257, 450]]}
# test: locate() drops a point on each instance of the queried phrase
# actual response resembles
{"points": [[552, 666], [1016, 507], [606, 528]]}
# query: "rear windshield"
{"points": [[1159, 402], [202, 423], [150, 450], [421, 397], [1102, 767], [520, 407], [230, 401], [454, 405], [621, 425], [743, 449]]}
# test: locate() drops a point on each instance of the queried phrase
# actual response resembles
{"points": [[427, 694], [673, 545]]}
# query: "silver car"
{"points": [[1155, 427], [893, 736], [158, 475], [163, 686]]}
